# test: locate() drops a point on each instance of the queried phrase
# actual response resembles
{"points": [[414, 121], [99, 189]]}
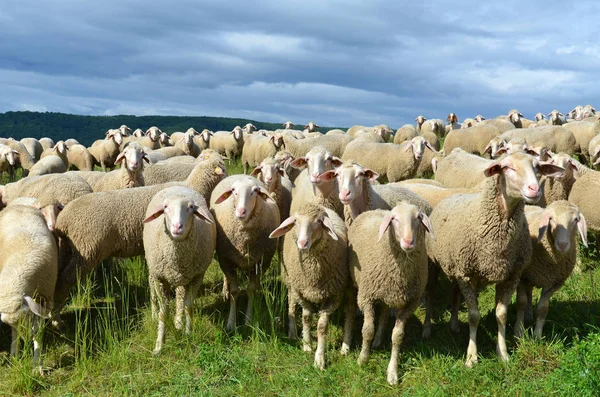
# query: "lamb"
{"points": [[129, 175], [555, 138], [33, 146], [584, 132], [105, 151], [553, 257], [393, 272], [203, 141], [483, 239], [309, 188], [229, 144], [316, 269], [391, 161], [258, 147], [80, 158], [461, 170], [474, 140], [405, 133], [178, 250], [28, 271], [47, 143], [359, 195], [117, 220], [245, 214], [557, 118], [188, 145]]}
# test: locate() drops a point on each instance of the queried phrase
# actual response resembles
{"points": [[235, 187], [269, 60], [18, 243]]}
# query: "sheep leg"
{"points": [[153, 298], [350, 313], [470, 294], [504, 292], [529, 308], [542, 310], [253, 281], [321, 339], [14, 342], [37, 343], [397, 337], [454, 324], [306, 320], [434, 272], [385, 312], [292, 302], [521, 306], [179, 307], [368, 330], [162, 296], [230, 285]]}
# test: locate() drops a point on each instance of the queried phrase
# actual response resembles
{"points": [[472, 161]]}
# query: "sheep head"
{"points": [[559, 222], [407, 223]]}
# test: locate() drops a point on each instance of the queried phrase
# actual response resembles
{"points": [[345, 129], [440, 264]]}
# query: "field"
{"points": [[106, 346]]}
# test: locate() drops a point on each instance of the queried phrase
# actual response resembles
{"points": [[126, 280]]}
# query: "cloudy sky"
{"points": [[336, 62]]}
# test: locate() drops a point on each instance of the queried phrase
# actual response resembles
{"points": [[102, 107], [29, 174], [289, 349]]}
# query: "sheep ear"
{"points": [[408, 147], [385, 223], [145, 158], [500, 151], [256, 171], [550, 169], [544, 225], [532, 152], [582, 227], [35, 308], [487, 149], [264, 194], [157, 212], [428, 146], [493, 169], [219, 171], [299, 163], [336, 162], [596, 151], [327, 176], [280, 171], [455, 119], [203, 213], [120, 157], [327, 224], [285, 227], [434, 164], [224, 196], [449, 118], [372, 175], [426, 223]]}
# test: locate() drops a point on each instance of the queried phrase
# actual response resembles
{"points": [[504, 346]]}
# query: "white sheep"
{"points": [[79, 157], [47, 143], [53, 161], [229, 144], [460, 169], [105, 151], [131, 173], [405, 133], [33, 146]]}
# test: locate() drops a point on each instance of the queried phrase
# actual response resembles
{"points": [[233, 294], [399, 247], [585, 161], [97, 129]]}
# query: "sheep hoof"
{"points": [[319, 362], [427, 332], [292, 334], [345, 349], [470, 362], [376, 344], [307, 348], [363, 359], [156, 351], [392, 377], [454, 327]]}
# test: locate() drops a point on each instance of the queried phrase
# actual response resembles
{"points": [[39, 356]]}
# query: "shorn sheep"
{"points": [[553, 234], [178, 249], [28, 271], [245, 214], [484, 239], [388, 265], [316, 268]]}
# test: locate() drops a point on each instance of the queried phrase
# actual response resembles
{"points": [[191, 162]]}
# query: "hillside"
{"points": [[87, 129]]}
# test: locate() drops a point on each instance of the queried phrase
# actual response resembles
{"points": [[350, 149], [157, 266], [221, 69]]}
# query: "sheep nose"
{"points": [[268, 179], [562, 245], [345, 193], [240, 212], [408, 243], [302, 243], [533, 188]]}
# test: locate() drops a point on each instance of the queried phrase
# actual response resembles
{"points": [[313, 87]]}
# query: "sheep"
{"points": [[584, 132], [555, 138], [583, 195], [164, 140], [588, 111], [405, 133], [33, 146], [431, 193], [335, 144], [271, 174], [258, 147], [150, 140], [138, 133], [52, 164], [559, 187], [355, 128], [60, 150], [26, 160], [359, 195], [229, 144], [167, 171], [435, 126], [308, 187], [316, 269], [368, 136], [288, 125], [203, 141], [502, 124], [311, 127], [245, 213], [553, 257], [453, 123], [178, 249], [124, 130], [49, 209], [117, 220], [483, 239], [473, 140], [47, 143], [285, 158], [188, 145], [80, 158], [387, 265], [335, 131], [8, 159], [385, 132], [129, 175], [461, 170], [105, 151], [557, 118], [164, 153], [28, 271]]}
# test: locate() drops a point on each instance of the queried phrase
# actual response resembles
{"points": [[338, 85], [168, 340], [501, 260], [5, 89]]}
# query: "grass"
{"points": [[106, 347]]}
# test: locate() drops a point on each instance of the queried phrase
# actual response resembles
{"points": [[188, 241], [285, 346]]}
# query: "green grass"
{"points": [[106, 347]]}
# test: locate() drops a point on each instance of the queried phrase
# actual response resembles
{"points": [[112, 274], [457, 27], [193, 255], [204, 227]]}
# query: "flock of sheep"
{"points": [[320, 201]]}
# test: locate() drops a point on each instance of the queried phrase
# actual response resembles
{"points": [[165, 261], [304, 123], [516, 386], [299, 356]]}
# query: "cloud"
{"points": [[336, 62]]}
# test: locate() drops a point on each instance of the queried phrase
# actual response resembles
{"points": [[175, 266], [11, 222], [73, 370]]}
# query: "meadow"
{"points": [[105, 347]]}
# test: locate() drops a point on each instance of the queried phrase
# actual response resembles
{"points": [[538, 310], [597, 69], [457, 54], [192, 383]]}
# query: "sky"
{"points": [[338, 63]]}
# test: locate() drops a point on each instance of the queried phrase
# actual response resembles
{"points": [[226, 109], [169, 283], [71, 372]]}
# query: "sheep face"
{"points": [[249, 128], [568, 163], [8, 154], [555, 116], [311, 223], [163, 138], [206, 134], [518, 177], [311, 126], [238, 133], [209, 154], [277, 140], [420, 120], [452, 118], [124, 130], [270, 170], [179, 215], [418, 145], [193, 131], [540, 116], [132, 157], [245, 193], [561, 222], [406, 221], [351, 178], [516, 145], [288, 125], [61, 147], [494, 146], [50, 213], [153, 133], [138, 133], [317, 161], [576, 113], [115, 135]]}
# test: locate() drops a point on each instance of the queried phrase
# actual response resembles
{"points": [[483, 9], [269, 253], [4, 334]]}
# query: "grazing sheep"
{"points": [[178, 250], [316, 270], [405, 133], [105, 151], [131, 173], [117, 220], [557, 118], [483, 239], [584, 132], [359, 195], [245, 215], [28, 271], [258, 147], [388, 265], [229, 144], [474, 140], [461, 170], [80, 158], [47, 143], [391, 161], [553, 257], [33, 146]]}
